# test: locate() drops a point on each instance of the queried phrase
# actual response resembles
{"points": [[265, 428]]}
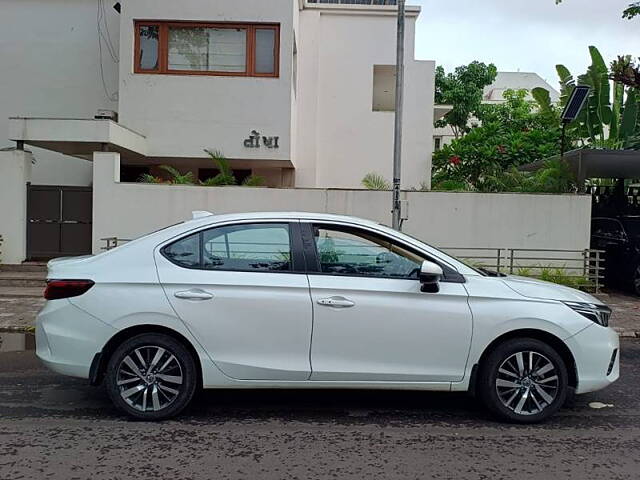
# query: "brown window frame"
{"points": [[163, 48]]}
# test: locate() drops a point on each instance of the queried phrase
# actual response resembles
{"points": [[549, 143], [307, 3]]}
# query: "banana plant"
{"points": [[610, 117]]}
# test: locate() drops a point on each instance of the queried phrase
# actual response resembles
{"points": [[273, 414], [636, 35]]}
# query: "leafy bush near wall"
{"points": [[555, 275], [375, 181], [551, 274], [178, 178], [509, 135], [225, 177]]}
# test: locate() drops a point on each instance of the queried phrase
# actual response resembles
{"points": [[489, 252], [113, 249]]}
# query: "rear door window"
{"points": [[260, 247]]}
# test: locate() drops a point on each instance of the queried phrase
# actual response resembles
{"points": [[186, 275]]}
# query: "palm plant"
{"points": [[226, 176], [178, 178], [253, 181], [374, 181], [148, 178]]}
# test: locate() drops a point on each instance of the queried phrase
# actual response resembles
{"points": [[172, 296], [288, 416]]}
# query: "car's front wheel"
{"points": [[151, 376], [523, 380]]}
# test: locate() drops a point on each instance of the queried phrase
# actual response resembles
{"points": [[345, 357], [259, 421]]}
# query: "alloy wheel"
{"points": [[149, 378], [527, 383]]}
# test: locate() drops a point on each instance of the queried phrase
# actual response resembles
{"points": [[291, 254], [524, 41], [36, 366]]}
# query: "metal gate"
{"points": [[59, 221]]}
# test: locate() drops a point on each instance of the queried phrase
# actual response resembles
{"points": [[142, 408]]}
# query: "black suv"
{"points": [[619, 237]]}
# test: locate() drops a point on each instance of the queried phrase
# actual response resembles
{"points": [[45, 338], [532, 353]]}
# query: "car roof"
{"points": [[217, 218], [154, 239]]}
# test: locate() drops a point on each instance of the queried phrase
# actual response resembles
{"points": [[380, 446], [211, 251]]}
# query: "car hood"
{"points": [[532, 288]]}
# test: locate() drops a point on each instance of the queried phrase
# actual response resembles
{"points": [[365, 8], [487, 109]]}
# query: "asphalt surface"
{"points": [[52, 427]]}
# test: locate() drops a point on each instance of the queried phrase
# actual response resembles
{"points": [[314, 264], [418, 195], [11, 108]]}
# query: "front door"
{"points": [[242, 291], [372, 322]]}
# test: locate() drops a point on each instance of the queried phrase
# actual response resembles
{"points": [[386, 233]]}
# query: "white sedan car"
{"points": [[299, 300]]}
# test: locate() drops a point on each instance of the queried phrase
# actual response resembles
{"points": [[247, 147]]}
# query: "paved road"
{"points": [[58, 428]]}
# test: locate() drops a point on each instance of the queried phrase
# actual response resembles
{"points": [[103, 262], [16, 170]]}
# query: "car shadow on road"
{"points": [[333, 405]]}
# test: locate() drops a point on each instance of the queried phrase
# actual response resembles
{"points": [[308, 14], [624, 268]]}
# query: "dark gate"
{"points": [[58, 221]]}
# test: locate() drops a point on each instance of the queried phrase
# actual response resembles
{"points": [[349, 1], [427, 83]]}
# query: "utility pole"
{"points": [[397, 133]]}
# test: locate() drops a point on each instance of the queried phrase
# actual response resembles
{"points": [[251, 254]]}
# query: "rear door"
{"points": [[242, 290]]}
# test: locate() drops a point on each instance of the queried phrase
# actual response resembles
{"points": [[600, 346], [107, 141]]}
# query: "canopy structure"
{"points": [[584, 164]]}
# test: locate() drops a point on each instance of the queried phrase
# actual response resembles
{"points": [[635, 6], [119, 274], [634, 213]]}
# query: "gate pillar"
{"points": [[15, 173]]}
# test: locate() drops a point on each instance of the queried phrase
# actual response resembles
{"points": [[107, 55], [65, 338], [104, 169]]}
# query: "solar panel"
{"points": [[575, 103]]}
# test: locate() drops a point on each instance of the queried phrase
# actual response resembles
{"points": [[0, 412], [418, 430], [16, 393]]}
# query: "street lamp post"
{"points": [[397, 134]]}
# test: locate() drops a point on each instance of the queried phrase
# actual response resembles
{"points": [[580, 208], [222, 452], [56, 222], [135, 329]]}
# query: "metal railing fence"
{"points": [[113, 242], [580, 268]]}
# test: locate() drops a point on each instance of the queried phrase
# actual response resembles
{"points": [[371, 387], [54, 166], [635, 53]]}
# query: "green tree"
{"points": [[510, 134], [633, 10], [462, 89]]}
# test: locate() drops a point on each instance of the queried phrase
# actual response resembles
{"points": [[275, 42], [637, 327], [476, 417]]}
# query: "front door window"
{"points": [[345, 252]]}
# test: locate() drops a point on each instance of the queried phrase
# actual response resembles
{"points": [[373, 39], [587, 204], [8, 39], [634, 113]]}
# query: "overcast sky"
{"points": [[524, 35]]}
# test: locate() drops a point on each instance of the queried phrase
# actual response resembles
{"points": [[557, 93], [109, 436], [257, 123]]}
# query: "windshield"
{"points": [[480, 271]]}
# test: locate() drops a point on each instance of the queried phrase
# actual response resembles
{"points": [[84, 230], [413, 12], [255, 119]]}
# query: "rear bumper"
{"points": [[593, 349], [67, 338]]}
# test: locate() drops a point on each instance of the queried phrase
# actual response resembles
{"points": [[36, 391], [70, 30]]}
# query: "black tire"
{"points": [[502, 394], [155, 394]]}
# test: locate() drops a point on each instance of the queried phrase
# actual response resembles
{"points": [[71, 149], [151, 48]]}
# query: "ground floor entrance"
{"points": [[59, 221]]}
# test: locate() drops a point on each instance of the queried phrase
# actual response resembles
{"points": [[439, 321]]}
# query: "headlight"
{"points": [[596, 313]]}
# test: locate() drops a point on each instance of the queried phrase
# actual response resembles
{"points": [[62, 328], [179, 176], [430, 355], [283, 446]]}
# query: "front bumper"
{"points": [[593, 350], [68, 338]]}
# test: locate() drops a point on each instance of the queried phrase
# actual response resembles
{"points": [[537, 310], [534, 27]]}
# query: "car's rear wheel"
{"points": [[523, 380], [151, 377]]}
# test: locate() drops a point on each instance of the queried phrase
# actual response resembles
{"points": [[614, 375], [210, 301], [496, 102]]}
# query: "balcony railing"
{"points": [[354, 2]]}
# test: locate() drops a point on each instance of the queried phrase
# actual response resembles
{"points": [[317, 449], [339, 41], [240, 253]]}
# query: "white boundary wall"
{"points": [[439, 218]]}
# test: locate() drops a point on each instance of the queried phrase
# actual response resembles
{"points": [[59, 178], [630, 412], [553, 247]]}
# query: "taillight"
{"points": [[57, 289]]}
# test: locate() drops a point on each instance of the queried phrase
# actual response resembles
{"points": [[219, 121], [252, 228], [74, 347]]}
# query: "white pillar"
{"points": [[15, 172], [106, 173]]}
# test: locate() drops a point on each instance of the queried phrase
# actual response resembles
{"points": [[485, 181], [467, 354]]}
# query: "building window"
{"points": [[222, 50], [149, 52], [186, 48], [437, 143], [384, 88]]}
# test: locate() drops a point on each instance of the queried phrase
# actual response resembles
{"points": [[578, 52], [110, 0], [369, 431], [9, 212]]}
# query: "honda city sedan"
{"points": [[300, 300]]}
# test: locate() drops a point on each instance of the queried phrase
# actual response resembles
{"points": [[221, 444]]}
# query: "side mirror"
{"points": [[430, 275]]}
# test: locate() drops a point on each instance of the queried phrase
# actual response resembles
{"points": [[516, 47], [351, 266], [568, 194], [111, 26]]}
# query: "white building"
{"points": [[494, 94], [299, 92]]}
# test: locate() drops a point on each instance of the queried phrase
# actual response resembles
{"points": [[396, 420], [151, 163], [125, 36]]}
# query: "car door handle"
{"points": [[195, 294], [337, 302]]}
